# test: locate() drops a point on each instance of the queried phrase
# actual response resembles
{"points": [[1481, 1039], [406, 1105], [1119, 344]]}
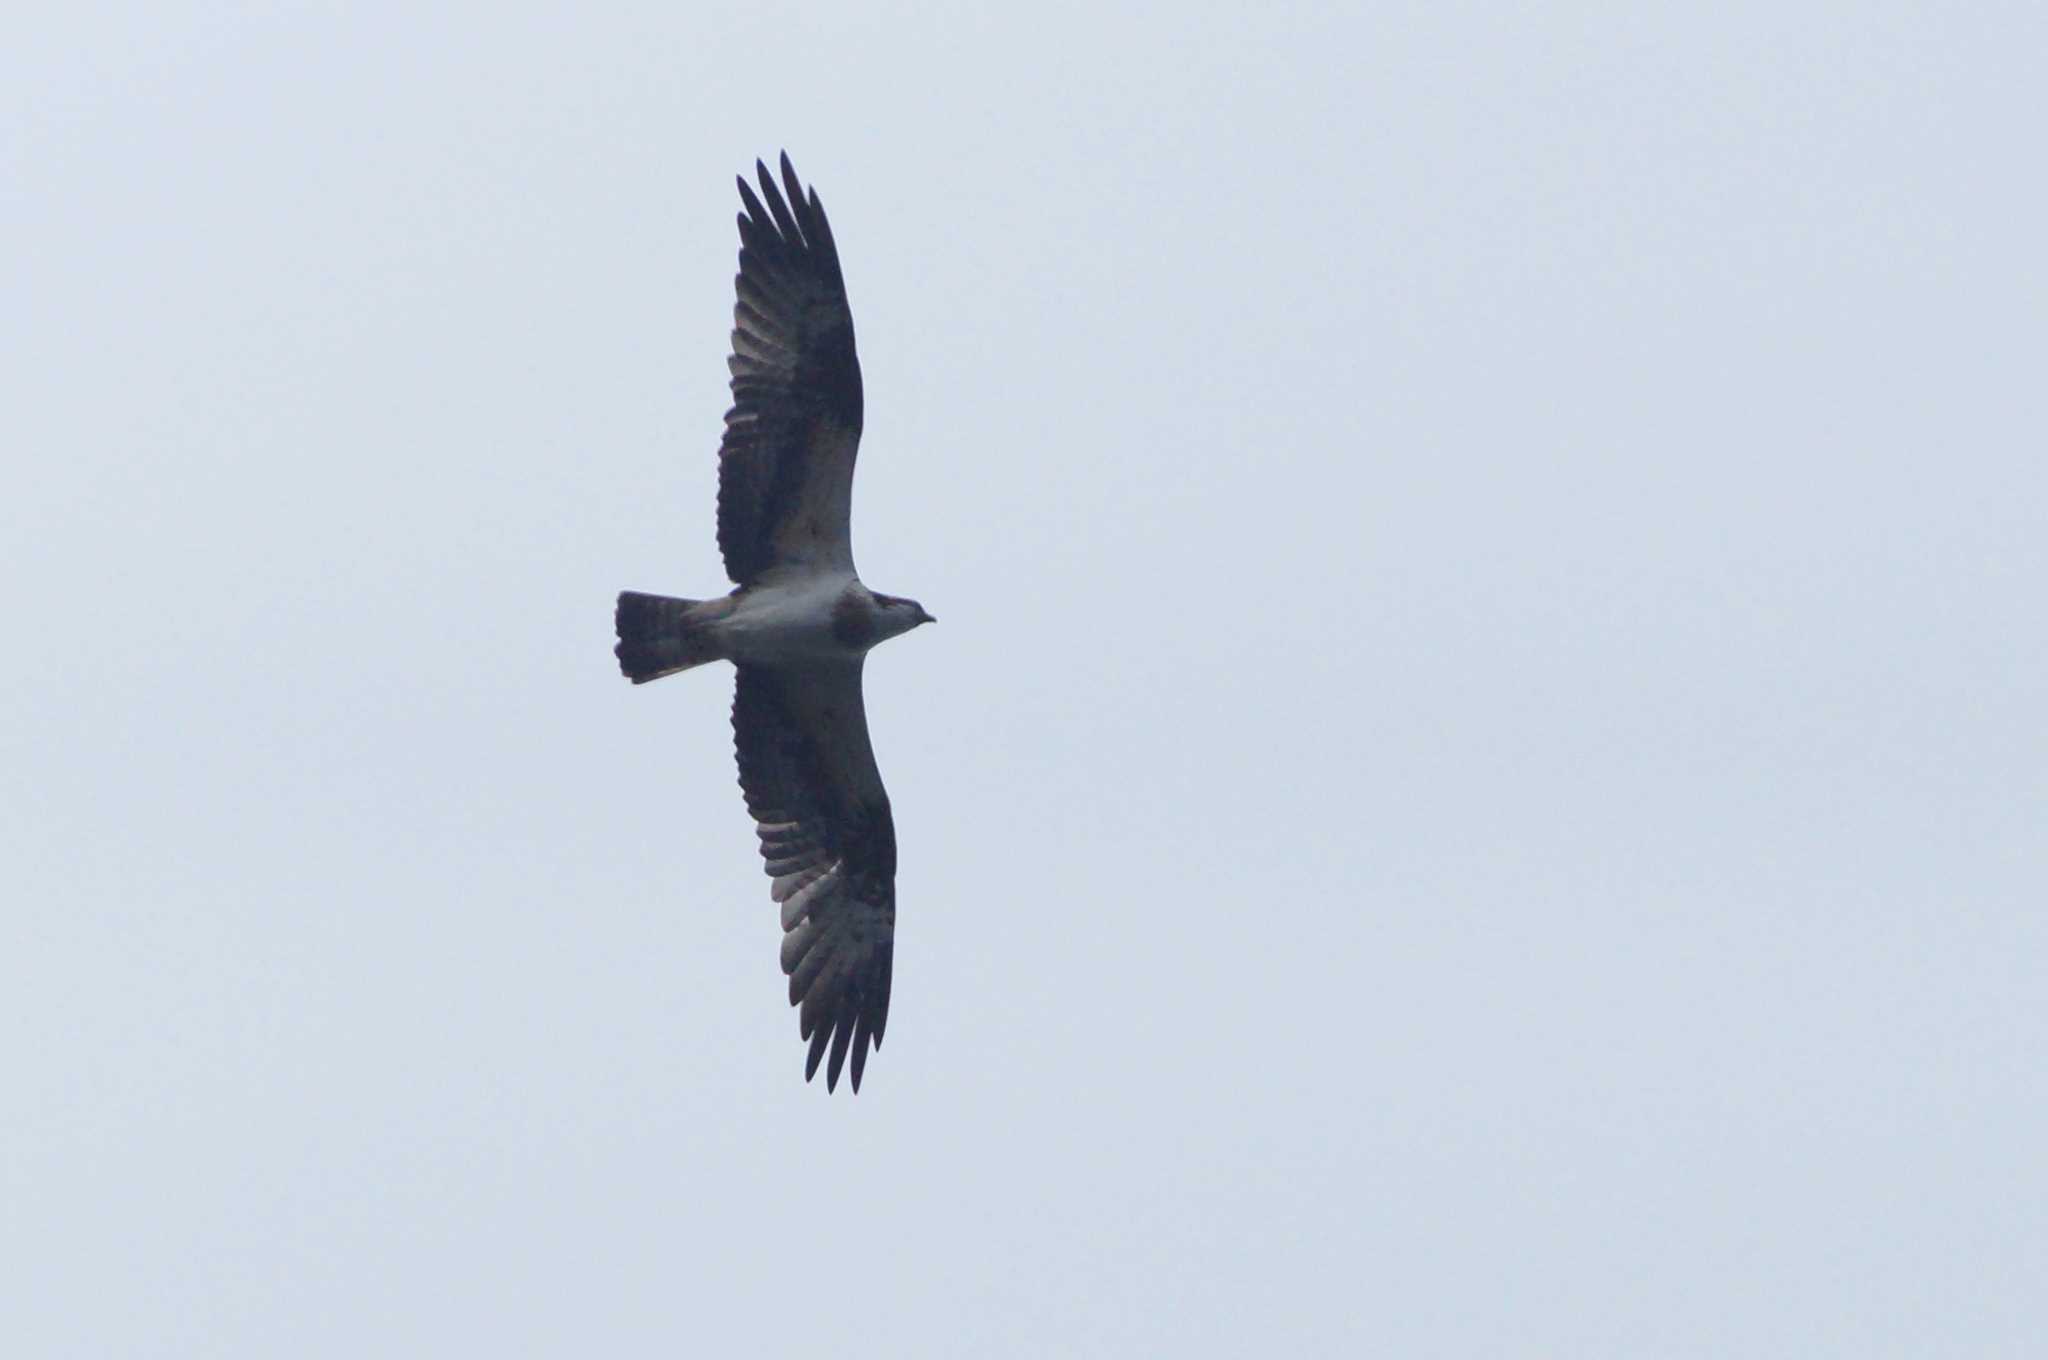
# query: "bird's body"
{"points": [[798, 626], [808, 619]]}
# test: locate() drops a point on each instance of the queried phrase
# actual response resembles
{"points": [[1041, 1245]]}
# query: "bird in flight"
{"points": [[798, 624]]}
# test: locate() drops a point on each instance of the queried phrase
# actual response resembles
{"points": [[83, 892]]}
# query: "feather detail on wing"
{"points": [[809, 775], [785, 469]]}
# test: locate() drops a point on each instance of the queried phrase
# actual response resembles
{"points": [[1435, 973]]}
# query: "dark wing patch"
{"points": [[785, 469], [809, 775]]}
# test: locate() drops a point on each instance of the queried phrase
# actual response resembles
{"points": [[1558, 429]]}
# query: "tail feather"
{"points": [[659, 635]]}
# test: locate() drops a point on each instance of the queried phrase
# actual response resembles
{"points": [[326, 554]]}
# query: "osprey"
{"points": [[799, 624]]}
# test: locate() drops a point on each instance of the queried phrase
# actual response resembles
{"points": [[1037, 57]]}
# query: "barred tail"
{"points": [[659, 636]]}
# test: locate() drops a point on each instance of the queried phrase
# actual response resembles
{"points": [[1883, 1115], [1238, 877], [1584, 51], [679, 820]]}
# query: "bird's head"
{"points": [[898, 615]]}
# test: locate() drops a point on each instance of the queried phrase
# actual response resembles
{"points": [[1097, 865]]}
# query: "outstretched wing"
{"points": [[817, 800], [785, 469]]}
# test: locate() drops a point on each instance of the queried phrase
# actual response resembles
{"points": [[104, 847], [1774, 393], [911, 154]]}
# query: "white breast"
{"points": [[786, 620]]}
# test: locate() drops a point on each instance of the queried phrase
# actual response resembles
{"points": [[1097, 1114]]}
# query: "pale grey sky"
{"points": [[1480, 790]]}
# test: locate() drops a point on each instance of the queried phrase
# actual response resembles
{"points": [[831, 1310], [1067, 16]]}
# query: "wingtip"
{"points": [[830, 1048]]}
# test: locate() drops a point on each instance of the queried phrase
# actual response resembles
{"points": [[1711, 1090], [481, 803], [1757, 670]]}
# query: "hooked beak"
{"points": [[923, 617]]}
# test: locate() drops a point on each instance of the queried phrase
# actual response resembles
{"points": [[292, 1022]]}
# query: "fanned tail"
{"points": [[660, 635]]}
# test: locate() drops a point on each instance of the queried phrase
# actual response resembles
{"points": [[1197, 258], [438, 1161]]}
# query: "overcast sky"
{"points": [[1480, 791]]}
